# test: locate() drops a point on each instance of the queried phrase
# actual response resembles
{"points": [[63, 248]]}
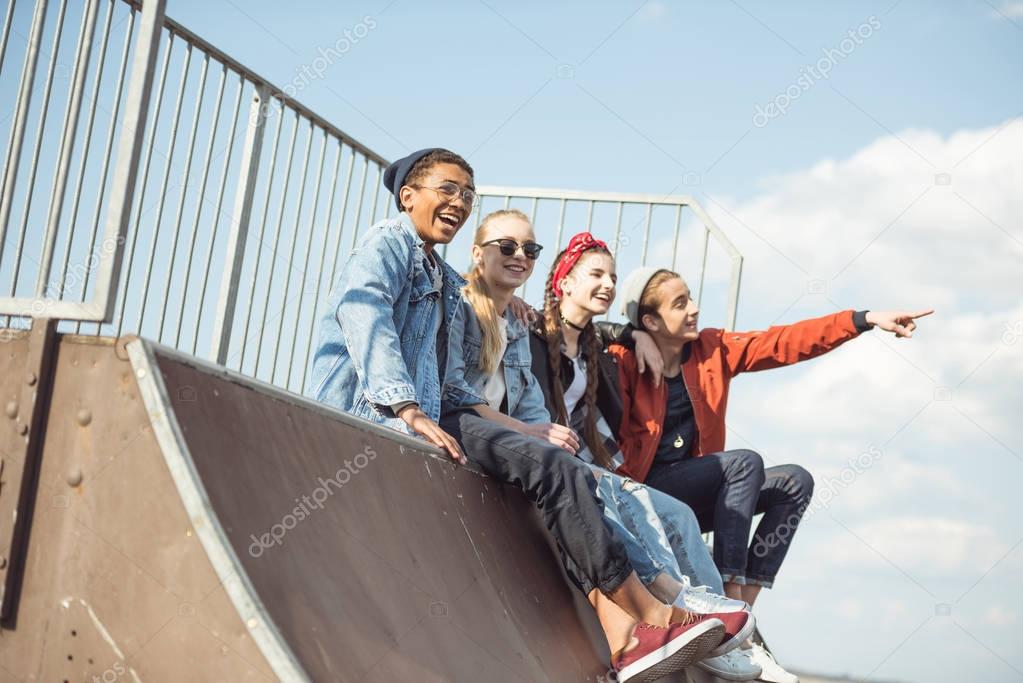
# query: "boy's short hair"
{"points": [[422, 167], [650, 299]]}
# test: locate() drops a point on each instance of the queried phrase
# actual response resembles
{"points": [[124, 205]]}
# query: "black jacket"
{"points": [[609, 399]]}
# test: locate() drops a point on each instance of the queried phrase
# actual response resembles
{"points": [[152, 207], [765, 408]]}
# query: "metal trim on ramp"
{"points": [[222, 556]]}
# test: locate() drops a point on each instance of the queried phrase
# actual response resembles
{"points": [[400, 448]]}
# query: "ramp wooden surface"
{"points": [[116, 585], [190, 524]]}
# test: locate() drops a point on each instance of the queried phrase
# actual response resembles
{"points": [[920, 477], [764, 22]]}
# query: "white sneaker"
{"points": [[772, 671], [699, 599], [735, 665]]}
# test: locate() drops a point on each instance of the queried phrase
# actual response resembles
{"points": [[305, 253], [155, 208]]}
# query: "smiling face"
{"points": [[437, 218], [677, 313], [502, 272], [590, 285]]}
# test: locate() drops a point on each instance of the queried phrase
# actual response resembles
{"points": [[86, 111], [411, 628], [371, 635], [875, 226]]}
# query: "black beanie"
{"points": [[394, 176]]}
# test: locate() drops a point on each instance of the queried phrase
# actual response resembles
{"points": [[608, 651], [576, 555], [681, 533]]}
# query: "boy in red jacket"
{"points": [[673, 432]]}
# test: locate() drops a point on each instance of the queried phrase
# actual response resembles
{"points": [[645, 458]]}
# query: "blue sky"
{"points": [[910, 570], [653, 86], [893, 182]]}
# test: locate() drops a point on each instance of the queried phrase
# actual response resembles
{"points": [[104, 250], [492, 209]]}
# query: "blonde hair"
{"points": [[478, 295]]}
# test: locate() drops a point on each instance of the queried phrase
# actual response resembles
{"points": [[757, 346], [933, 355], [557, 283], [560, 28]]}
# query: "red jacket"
{"points": [[716, 357]]}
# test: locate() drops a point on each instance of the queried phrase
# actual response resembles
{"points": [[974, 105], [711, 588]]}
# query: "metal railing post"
{"points": [[736, 257], [703, 265], [67, 150], [129, 149], [733, 291], [24, 101], [235, 255]]}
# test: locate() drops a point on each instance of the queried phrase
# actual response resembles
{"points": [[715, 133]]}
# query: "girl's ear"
{"points": [[477, 255], [565, 284], [651, 323], [405, 194]]}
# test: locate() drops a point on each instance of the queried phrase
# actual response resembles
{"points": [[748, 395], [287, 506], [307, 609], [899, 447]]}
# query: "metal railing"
{"points": [[193, 202], [635, 226]]}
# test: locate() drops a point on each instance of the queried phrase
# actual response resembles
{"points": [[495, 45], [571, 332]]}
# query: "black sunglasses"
{"points": [[508, 247]]}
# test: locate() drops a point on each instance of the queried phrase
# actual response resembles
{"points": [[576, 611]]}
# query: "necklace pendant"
{"points": [[679, 441]]}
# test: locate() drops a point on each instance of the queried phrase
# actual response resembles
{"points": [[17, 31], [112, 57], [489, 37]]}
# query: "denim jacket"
{"points": [[377, 345], [464, 380]]}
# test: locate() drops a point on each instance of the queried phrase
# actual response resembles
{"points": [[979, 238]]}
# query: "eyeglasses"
{"points": [[508, 247], [450, 190]]}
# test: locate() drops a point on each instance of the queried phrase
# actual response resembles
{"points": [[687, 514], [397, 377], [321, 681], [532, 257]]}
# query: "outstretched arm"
{"points": [[787, 344]]}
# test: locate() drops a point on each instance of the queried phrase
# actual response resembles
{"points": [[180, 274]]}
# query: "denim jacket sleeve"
{"points": [[372, 281], [457, 392], [532, 408]]}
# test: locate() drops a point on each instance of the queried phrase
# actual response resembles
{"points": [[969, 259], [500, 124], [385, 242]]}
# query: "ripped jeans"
{"points": [[660, 533]]}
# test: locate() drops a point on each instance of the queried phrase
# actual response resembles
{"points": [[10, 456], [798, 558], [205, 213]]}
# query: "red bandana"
{"points": [[580, 243]]}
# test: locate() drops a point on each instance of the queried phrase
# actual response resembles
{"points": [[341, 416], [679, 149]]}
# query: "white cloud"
{"points": [[882, 234], [878, 225], [939, 505], [1008, 9], [856, 608], [655, 9], [849, 608], [997, 615], [957, 362], [890, 478], [921, 546]]}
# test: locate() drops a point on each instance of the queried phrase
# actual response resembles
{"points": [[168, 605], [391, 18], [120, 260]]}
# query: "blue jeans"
{"points": [[660, 534], [726, 490]]}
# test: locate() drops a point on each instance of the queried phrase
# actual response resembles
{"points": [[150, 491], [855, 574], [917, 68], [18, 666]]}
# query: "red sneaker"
{"points": [[738, 627], [661, 651]]}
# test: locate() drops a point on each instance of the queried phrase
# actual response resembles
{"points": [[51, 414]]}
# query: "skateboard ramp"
{"points": [[188, 523]]}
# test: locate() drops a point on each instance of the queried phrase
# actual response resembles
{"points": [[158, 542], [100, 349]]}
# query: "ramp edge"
{"points": [[407, 442], [211, 534]]}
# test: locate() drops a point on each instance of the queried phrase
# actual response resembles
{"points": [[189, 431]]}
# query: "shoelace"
{"points": [[701, 597], [730, 659], [683, 616], [687, 584], [634, 641], [696, 589]]}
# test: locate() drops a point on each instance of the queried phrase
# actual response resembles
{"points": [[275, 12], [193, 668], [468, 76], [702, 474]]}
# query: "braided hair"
{"points": [[589, 347]]}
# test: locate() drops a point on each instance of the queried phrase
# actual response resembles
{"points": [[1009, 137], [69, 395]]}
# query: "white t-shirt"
{"points": [[573, 395], [577, 388], [495, 388]]}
